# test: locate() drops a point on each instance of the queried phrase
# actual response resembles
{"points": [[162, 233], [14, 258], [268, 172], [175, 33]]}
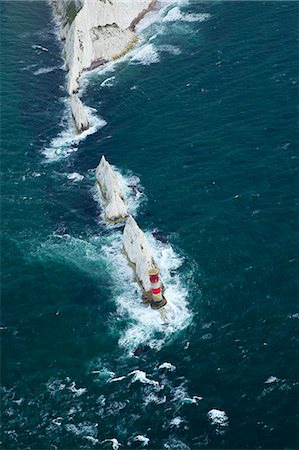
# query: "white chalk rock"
{"points": [[138, 251], [116, 209], [96, 31], [108, 180], [78, 113]]}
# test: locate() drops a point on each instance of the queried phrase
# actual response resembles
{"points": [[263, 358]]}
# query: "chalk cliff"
{"points": [[94, 32], [138, 251], [108, 180]]}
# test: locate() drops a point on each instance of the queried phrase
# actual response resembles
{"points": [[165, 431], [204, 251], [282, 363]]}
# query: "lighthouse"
{"points": [[158, 299]]}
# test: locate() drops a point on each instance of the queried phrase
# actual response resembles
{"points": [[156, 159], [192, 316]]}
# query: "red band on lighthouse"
{"points": [[156, 291], [155, 284]]}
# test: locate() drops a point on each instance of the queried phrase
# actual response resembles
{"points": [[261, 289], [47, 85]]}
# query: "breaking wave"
{"points": [[175, 14], [68, 139], [146, 55]]}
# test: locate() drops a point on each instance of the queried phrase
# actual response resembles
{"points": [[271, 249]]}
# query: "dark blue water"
{"points": [[206, 116]]}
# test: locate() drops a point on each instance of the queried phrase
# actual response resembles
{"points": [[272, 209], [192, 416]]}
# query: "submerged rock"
{"points": [[141, 349], [160, 236]]}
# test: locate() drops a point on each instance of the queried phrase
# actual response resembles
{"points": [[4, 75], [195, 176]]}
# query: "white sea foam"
{"points": [[131, 186], [176, 422], [44, 70], [175, 14], [39, 47], [113, 380], [153, 16], [272, 380], [55, 386], [181, 396], [114, 443], [107, 68], [108, 82], [29, 67], [139, 375], [167, 366], [91, 439], [145, 55], [57, 421], [77, 391], [74, 176], [218, 418], [67, 140], [153, 398], [172, 49], [83, 428], [148, 20], [143, 439], [98, 368]]}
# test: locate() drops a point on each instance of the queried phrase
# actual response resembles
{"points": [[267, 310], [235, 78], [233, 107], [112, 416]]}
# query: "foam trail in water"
{"points": [[108, 82], [175, 14], [67, 141], [39, 47], [44, 70]]}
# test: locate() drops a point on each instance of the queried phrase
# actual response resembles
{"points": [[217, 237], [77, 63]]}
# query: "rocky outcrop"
{"points": [[78, 113], [138, 252], [108, 181], [94, 32]]}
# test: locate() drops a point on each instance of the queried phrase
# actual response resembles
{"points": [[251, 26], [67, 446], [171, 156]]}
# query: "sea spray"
{"points": [[68, 139]]}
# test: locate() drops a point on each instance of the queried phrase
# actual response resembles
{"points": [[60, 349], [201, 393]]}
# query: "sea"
{"points": [[200, 121]]}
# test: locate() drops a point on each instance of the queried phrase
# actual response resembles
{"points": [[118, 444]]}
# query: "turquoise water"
{"points": [[202, 119]]}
